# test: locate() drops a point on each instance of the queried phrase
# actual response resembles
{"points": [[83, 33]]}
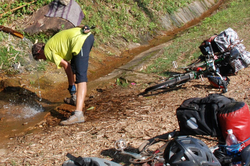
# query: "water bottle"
{"points": [[232, 140]]}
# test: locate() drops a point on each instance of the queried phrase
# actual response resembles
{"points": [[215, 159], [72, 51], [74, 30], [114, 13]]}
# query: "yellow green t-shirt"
{"points": [[64, 45]]}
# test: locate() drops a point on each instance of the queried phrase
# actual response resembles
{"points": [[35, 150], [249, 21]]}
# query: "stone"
{"points": [[39, 23]]}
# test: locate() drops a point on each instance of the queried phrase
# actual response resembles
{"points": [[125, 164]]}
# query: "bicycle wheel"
{"points": [[174, 81]]}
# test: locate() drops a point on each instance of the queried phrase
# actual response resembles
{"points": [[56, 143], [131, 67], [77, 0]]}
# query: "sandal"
{"points": [[70, 100]]}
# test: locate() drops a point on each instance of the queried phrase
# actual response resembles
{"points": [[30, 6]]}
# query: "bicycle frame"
{"points": [[209, 64], [195, 71], [210, 67]]}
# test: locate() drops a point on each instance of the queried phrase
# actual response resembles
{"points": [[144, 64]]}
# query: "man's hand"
{"points": [[72, 89], [68, 70]]}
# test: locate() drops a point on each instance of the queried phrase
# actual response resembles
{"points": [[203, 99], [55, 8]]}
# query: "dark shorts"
{"points": [[79, 63]]}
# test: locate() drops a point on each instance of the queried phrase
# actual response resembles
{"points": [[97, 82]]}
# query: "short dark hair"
{"points": [[36, 48]]}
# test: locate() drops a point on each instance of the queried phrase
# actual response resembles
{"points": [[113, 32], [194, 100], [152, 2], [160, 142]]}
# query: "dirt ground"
{"points": [[113, 112]]}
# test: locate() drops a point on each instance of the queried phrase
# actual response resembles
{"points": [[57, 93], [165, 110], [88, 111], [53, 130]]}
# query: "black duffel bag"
{"points": [[198, 116]]}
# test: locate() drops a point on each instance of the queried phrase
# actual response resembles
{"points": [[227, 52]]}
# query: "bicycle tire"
{"points": [[170, 82]]}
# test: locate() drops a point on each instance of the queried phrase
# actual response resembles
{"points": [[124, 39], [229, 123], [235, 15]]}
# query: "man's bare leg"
{"points": [[80, 104], [80, 95]]}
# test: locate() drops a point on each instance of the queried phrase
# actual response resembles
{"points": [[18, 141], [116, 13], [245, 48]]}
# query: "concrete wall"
{"points": [[186, 14]]}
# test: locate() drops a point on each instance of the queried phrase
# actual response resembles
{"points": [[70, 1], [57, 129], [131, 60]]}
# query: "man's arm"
{"points": [[68, 70]]}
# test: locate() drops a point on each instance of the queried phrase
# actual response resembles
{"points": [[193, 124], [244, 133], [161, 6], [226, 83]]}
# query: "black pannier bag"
{"points": [[198, 116], [227, 41], [205, 46]]}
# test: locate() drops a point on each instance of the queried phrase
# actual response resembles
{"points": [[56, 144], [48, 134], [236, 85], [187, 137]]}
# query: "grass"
{"points": [[116, 19], [15, 54], [128, 19], [9, 55], [16, 10], [184, 49]]}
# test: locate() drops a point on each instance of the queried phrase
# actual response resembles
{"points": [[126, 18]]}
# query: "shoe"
{"points": [[70, 100], [73, 119]]}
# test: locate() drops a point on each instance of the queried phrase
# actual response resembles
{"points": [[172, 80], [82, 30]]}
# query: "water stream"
{"points": [[20, 108]]}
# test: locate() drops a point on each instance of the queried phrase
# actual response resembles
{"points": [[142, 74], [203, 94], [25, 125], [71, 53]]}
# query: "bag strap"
{"points": [[77, 160], [236, 145]]}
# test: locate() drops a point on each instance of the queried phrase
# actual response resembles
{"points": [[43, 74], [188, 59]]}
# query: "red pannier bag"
{"points": [[236, 116]]}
